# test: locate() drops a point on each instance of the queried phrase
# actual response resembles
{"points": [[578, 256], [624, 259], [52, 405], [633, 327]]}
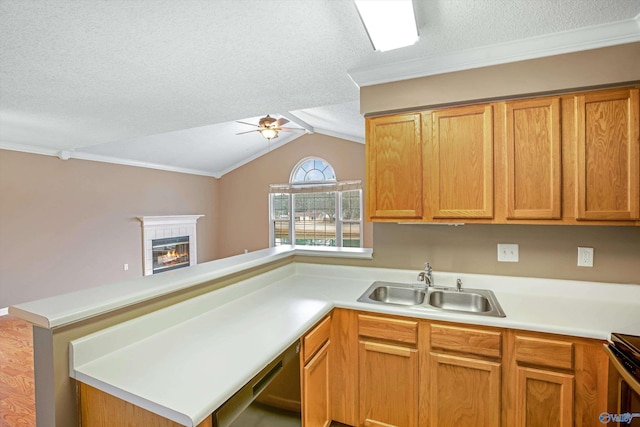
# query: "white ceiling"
{"points": [[160, 83]]}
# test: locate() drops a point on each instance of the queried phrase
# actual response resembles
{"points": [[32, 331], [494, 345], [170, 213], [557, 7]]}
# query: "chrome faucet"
{"points": [[425, 276], [459, 285]]}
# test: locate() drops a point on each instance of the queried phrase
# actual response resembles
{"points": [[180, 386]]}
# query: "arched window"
{"points": [[314, 209], [312, 170]]}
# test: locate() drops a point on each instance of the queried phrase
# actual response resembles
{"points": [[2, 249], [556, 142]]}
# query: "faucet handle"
{"points": [[427, 267]]}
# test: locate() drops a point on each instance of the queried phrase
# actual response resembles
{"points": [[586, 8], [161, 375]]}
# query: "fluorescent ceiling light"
{"points": [[390, 24]]}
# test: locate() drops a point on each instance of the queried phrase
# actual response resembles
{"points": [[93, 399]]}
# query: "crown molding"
{"points": [[128, 162], [79, 155], [29, 149], [586, 38]]}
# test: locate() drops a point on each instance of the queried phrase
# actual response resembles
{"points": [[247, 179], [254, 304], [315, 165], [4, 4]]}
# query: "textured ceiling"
{"points": [[161, 82]]}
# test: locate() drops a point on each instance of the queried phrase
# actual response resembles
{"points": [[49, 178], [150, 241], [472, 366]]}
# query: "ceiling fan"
{"points": [[268, 127]]}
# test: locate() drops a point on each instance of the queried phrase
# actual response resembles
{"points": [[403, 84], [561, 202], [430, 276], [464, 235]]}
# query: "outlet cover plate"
{"points": [[508, 252], [585, 257]]}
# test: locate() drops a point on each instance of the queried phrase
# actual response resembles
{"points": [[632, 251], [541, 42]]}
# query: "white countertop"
{"points": [[76, 306], [184, 361]]}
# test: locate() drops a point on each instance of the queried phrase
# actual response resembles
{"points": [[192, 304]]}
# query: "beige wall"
{"points": [[591, 68], [68, 225], [244, 192], [545, 251]]}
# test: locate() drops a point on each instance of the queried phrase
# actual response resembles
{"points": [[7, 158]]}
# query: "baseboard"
{"points": [[4, 311]]}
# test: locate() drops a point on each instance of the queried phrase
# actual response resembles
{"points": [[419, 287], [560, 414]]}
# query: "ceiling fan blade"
{"points": [[245, 123], [249, 131], [291, 129], [281, 121]]}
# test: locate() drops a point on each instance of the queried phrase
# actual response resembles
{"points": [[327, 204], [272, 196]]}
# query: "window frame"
{"points": [[297, 187]]}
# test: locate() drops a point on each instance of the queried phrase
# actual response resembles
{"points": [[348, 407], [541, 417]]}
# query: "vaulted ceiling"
{"points": [[161, 83]]}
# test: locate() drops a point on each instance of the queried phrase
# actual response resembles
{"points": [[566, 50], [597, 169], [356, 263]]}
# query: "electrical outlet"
{"points": [[126, 267], [507, 252], [585, 257]]}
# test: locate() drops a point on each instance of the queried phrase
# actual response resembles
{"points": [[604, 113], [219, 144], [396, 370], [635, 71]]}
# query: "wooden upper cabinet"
{"points": [[608, 155], [459, 162], [394, 167], [534, 161]]}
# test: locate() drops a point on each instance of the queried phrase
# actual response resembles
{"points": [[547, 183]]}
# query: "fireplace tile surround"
{"points": [[163, 227]]}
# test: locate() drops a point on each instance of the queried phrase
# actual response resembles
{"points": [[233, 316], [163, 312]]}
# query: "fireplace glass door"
{"points": [[170, 253]]}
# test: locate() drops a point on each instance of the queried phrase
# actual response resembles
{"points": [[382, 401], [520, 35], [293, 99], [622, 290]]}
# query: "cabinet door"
{"points": [[544, 398], [608, 160], [459, 162], [394, 167], [464, 392], [533, 159], [315, 390], [388, 385]]}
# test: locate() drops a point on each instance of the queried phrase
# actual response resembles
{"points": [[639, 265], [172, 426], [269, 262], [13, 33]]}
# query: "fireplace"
{"points": [[170, 253], [169, 242]]}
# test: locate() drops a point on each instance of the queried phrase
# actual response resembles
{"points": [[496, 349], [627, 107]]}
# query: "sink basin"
{"points": [[478, 301], [461, 301], [393, 293], [473, 301]]}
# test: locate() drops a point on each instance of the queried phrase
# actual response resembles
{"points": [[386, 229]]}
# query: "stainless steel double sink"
{"points": [[473, 301]]}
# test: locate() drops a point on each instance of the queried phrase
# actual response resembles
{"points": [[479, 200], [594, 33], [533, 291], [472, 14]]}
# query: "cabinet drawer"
{"points": [[466, 340], [405, 331], [544, 352], [314, 340]]}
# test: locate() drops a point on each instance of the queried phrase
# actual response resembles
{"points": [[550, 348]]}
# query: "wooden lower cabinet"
{"points": [[388, 385], [388, 371], [464, 392], [100, 409], [554, 380], [412, 372], [544, 398], [315, 358], [315, 381], [463, 377]]}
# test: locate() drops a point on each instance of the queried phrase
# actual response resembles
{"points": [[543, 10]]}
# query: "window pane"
{"points": [[351, 234], [280, 215], [315, 220], [351, 205], [313, 170], [281, 233], [280, 205]]}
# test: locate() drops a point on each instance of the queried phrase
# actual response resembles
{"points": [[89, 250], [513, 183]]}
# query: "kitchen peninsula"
{"points": [[184, 360]]}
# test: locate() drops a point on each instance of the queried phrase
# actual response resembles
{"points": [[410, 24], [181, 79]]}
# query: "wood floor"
{"points": [[17, 399]]}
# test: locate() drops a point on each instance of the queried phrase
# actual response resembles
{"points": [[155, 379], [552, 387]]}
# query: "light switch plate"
{"points": [[508, 252], [585, 257]]}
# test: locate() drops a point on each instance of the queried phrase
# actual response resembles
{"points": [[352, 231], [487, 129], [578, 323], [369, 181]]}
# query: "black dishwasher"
{"points": [[270, 399]]}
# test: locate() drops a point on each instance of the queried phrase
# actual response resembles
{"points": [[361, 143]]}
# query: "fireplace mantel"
{"points": [[159, 227]]}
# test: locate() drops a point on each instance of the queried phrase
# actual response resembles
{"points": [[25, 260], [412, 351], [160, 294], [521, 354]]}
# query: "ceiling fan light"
{"points": [[390, 24], [269, 133]]}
